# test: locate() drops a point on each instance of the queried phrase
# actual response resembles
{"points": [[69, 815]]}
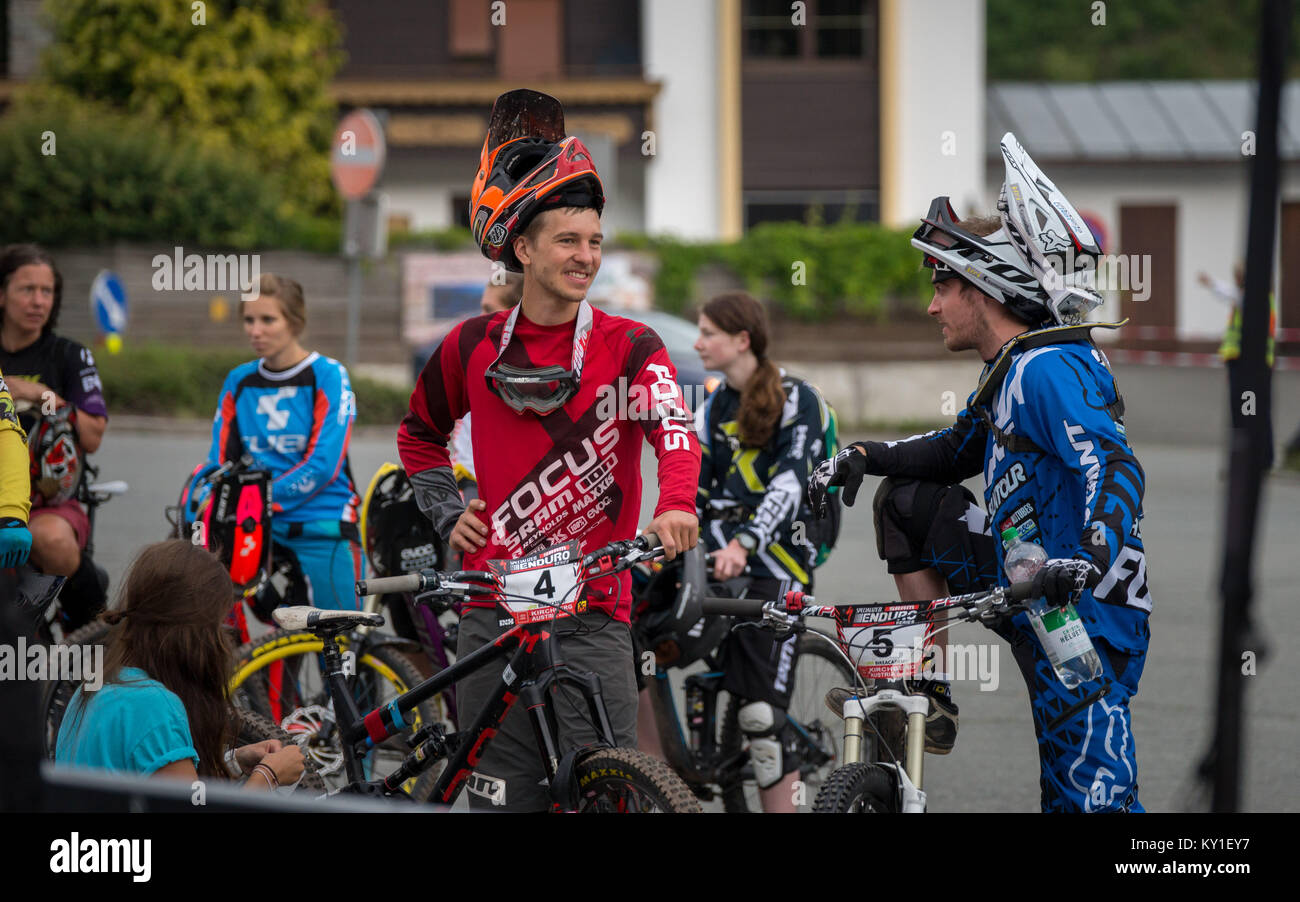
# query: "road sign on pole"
{"points": [[357, 154], [108, 305], [356, 163]]}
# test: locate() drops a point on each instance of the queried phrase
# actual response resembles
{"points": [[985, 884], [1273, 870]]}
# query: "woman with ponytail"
{"points": [[761, 436], [159, 706]]}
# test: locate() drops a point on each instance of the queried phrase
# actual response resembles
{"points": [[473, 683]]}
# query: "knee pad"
{"points": [[759, 722]]}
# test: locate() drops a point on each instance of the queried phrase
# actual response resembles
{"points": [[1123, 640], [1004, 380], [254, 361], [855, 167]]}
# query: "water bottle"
{"points": [[1060, 631]]}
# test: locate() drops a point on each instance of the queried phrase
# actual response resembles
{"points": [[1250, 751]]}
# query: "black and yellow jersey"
{"points": [[761, 490]]}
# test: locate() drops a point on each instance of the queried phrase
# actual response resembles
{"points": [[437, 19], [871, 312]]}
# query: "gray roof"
{"points": [[1132, 121]]}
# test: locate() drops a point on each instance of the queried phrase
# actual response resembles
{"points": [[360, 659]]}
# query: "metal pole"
{"points": [[352, 252], [1247, 451]]}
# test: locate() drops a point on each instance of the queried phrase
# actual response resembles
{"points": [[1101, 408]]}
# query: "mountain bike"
{"points": [[709, 754], [884, 644], [595, 778]]}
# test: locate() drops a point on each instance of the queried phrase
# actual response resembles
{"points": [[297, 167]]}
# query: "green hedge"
{"points": [[812, 273], [176, 381], [83, 177]]}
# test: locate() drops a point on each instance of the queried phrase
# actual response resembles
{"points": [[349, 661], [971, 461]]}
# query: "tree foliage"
{"points": [[86, 175], [1057, 40], [245, 76]]}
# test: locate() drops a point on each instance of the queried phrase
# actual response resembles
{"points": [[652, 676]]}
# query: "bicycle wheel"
{"points": [[248, 728], [625, 781], [859, 789], [815, 735], [279, 676], [54, 703]]}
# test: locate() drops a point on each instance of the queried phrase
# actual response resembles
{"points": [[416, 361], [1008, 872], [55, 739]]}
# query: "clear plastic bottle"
{"points": [[1061, 632]]}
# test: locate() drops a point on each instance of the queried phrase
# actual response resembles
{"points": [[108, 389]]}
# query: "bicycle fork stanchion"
{"points": [[916, 707]]}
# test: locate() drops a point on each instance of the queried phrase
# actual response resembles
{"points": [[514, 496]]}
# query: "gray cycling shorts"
{"points": [[512, 757]]}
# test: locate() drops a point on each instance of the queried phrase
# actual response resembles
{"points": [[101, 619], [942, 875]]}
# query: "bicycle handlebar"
{"points": [[432, 580]]}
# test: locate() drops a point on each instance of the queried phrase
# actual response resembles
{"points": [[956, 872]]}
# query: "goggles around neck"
{"points": [[544, 389]]}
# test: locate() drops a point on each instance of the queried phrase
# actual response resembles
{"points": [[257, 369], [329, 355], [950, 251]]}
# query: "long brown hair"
{"points": [[763, 398], [168, 624]]}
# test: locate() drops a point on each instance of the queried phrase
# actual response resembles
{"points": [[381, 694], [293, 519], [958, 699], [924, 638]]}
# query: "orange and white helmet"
{"points": [[526, 166]]}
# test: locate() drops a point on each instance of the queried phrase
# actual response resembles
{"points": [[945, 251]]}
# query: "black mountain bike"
{"points": [[596, 778]]}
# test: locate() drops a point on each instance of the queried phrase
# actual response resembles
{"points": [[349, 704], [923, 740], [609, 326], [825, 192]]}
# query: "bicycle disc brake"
{"points": [[306, 724]]}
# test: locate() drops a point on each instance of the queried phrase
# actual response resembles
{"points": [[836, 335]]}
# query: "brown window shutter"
{"points": [[531, 44], [471, 28]]}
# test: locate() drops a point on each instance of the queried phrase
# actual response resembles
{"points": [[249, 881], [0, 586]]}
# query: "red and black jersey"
{"points": [[575, 473]]}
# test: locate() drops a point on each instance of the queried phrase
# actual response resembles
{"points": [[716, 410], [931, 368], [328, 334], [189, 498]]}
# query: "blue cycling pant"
{"points": [[1086, 752], [331, 562]]}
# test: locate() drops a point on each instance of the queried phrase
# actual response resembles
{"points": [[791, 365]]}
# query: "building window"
{"points": [[834, 29], [810, 207], [769, 31]]}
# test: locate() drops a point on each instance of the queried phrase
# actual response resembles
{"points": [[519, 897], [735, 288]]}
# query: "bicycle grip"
{"points": [[736, 607], [382, 585], [651, 540], [1020, 591]]}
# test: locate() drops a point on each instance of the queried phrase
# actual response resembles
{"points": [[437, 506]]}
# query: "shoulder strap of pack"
{"points": [[992, 380]]}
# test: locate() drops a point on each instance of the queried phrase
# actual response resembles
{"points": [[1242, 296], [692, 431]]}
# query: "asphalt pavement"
{"points": [[994, 765]]}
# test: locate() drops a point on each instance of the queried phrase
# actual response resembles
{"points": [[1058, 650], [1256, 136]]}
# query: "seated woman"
{"points": [[162, 708]]}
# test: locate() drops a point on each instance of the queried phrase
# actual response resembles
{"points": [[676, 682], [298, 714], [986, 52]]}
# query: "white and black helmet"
{"points": [[1041, 263]]}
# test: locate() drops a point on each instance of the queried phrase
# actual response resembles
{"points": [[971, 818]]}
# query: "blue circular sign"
{"points": [[108, 302]]}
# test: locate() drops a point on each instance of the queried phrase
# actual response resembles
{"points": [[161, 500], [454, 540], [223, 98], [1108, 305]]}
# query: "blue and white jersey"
{"points": [[296, 424], [1076, 488], [1080, 496]]}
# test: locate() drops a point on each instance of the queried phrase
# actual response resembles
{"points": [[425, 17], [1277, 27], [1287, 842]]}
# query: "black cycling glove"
{"points": [[1061, 581], [844, 469]]}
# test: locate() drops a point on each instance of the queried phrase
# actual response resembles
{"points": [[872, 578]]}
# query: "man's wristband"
{"points": [[747, 540]]}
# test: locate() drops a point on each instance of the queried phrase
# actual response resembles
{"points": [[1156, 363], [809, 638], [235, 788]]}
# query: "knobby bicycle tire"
{"points": [[857, 788], [249, 727], [627, 781], [302, 707], [807, 708], [58, 693]]}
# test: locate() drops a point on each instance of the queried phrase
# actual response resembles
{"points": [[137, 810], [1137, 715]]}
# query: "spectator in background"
{"points": [[497, 298], [1230, 351]]}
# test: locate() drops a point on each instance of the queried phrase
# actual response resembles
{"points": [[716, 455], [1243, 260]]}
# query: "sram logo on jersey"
{"points": [[563, 487]]}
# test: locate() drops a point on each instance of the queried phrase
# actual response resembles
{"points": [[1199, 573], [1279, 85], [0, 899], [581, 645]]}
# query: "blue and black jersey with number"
{"points": [[1051, 445], [1063, 474], [761, 490], [296, 424]]}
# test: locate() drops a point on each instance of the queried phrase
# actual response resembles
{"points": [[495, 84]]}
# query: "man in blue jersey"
{"points": [[1045, 428]]}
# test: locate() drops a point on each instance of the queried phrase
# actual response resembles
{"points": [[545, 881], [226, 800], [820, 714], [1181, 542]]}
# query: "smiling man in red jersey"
{"points": [[554, 463]]}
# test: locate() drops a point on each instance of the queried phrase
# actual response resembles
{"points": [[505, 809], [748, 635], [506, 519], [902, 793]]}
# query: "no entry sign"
{"points": [[357, 154]]}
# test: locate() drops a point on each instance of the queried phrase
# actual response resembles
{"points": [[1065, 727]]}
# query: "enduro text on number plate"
{"points": [[887, 641], [549, 577]]}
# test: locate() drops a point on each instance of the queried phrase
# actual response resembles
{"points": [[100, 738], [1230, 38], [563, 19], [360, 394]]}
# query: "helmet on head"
{"points": [[396, 535], [1041, 264], [56, 460], [526, 166], [673, 625]]}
